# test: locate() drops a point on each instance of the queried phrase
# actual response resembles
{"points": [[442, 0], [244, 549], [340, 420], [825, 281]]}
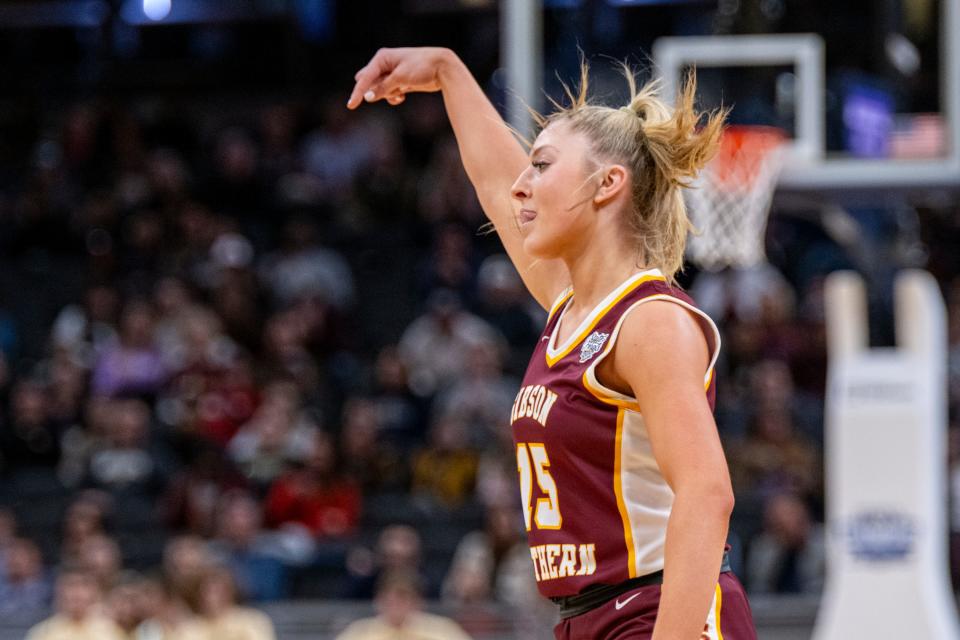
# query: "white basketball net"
{"points": [[730, 200]]}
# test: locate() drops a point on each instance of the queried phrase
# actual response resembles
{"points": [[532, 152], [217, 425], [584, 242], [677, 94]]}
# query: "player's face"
{"points": [[555, 193]]}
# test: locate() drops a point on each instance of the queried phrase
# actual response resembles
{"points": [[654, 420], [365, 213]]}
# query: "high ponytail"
{"points": [[664, 148]]}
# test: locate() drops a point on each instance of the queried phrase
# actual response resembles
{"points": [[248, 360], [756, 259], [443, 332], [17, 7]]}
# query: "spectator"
{"points": [[497, 471], [192, 338], [24, 584], [133, 365], [279, 432], [370, 457], [450, 265], [82, 440], [432, 347], [236, 299], [774, 459], [445, 472], [141, 250], [223, 618], [315, 495], [503, 301], [124, 602], [174, 301], [100, 558], [338, 151], [30, 438], [445, 193], [78, 612], [305, 269], [398, 550], [66, 390], [168, 176], [400, 614], [789, 555], [482, 397], [85, 331], [250, 554], [285, 352], [185, 559], [277, 127], [193, 494], [385, 192], [772, 389], [126, 463], [166, 617], [213, 391], [84, 520], [492, 564], [399, 412], [235, 184]]}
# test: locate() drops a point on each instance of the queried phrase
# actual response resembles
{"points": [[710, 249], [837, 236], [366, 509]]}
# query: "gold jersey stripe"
{"points": [[621, 505], [603, 397], [717, 612]]}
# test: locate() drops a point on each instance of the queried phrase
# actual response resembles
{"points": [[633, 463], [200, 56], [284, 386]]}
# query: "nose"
{"points": [[521, 186]]}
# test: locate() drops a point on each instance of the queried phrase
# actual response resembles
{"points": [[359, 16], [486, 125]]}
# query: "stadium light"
{"points": [[156, 10]]}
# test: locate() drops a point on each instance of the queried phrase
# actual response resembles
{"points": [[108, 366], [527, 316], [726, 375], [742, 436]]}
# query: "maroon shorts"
{"points": [[729, 618]]}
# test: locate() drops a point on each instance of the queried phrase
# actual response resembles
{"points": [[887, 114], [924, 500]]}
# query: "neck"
{"points": [[600, 269]]}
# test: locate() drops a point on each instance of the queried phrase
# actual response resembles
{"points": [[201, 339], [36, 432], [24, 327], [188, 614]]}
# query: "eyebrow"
{"points": [[537, 150]]}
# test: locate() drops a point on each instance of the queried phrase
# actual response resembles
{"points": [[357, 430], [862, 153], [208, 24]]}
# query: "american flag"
{"points": [[918, 135]]}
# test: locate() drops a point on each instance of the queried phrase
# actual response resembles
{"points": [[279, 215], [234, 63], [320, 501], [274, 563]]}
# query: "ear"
{"points": [[613, 182]]}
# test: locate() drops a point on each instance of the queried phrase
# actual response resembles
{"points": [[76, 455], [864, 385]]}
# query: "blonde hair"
{"points": [[664, 149]]}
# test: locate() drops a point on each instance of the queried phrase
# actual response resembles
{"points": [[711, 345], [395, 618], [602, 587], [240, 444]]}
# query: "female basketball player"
{"points": [[625, 489]]}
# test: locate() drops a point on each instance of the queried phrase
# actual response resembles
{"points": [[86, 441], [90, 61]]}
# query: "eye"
{"points": [[540, 165]]}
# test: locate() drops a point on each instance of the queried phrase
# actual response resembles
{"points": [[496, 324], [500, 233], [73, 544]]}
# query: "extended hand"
{"points": [[393, 73]]}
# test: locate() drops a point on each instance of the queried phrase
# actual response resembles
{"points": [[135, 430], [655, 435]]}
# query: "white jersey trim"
{"points": [[640, 477]]}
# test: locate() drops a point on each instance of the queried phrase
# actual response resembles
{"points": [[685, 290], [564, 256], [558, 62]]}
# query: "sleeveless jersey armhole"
{"points": [[611, 396]]}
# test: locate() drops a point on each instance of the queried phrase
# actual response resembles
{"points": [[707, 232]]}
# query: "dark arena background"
{"points": [[258, 351]]}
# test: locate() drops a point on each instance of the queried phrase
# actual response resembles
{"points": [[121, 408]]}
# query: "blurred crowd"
{"points": [[266, 351]]}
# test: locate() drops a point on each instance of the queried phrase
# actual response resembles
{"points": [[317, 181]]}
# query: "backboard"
{"points": [[852, 128]]}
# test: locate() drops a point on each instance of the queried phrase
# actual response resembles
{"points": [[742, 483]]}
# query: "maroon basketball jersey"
{"points": [[595, 503]]}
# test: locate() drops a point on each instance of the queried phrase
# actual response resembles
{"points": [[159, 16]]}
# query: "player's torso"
{"points": [[595, 504]]}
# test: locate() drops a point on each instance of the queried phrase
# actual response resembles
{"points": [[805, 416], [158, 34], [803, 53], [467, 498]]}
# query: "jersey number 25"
{"points": [[532, 460]]}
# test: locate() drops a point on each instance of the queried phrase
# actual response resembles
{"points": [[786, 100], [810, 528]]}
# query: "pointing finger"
{"points": [[365, 78]]}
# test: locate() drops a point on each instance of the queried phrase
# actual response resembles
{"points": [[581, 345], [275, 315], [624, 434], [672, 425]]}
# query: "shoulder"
{"points": [[439, 627], [661, 344], [361, 629], [191, 630], [250, 619], [106, 629], [253, 615], [42, 630], [663, 325]]}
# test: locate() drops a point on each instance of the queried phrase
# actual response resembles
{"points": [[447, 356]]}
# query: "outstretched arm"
{"points": [[491, 155]]}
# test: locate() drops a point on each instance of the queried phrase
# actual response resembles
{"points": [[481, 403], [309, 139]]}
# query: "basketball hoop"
{"points": [[729, 202]]}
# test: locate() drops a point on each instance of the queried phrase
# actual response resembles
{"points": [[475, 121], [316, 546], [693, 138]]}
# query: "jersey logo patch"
{"points": [[592, 345]]}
